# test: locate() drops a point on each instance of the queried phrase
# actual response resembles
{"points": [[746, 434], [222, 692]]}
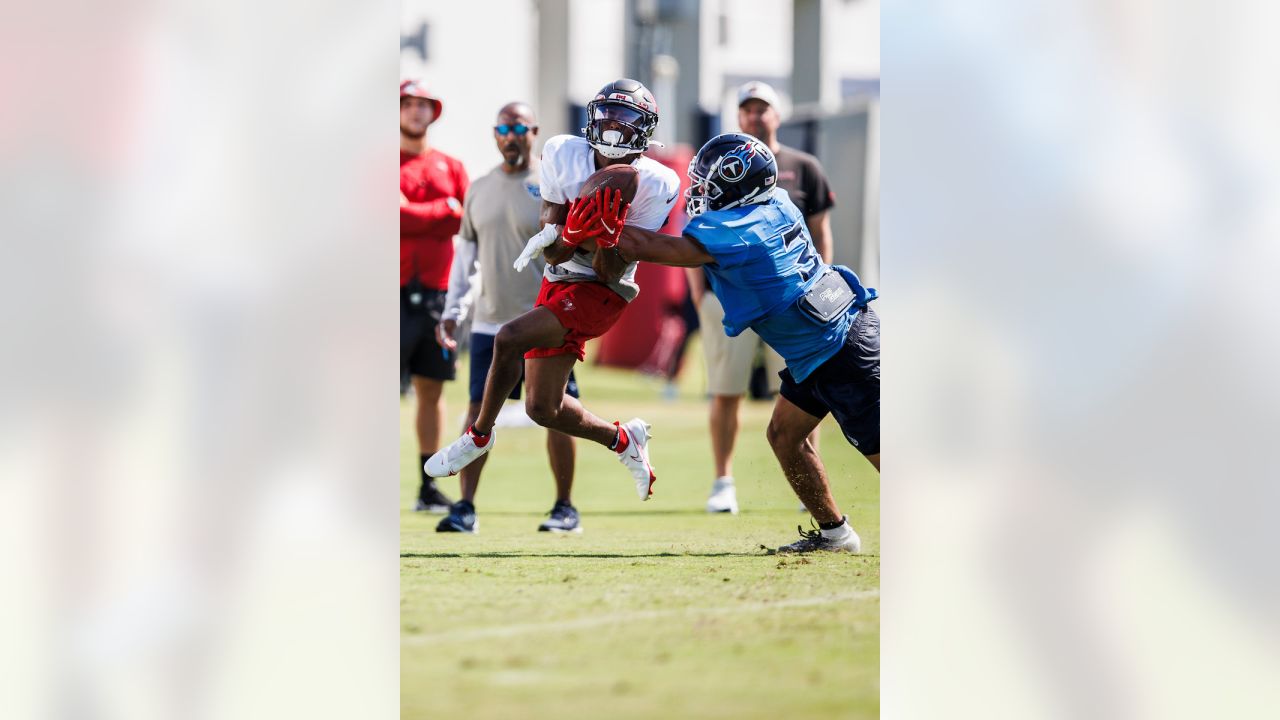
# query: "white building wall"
{"points": [[597, 55], [759, 45], [481, 57], [757, 36], [850, 44]]}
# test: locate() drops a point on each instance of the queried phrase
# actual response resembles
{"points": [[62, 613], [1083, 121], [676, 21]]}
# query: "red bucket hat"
{"points": [[414, 88]]}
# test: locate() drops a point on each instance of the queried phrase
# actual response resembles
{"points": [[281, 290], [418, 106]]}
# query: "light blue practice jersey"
{"points": [[764, 262]]}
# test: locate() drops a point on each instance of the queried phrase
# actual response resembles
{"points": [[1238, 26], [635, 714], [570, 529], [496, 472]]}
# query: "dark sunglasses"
{"points": [[518, 128]]}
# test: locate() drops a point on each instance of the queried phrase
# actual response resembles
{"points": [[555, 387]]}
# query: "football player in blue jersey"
{"points": [[752, 243]]}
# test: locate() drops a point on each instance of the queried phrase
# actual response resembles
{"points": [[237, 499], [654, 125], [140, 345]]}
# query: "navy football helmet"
{"points": [[621, 119], [731, 170]]}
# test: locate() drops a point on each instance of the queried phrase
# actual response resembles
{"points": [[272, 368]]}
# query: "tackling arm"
{"points": [[609, 264], [649, 246]]}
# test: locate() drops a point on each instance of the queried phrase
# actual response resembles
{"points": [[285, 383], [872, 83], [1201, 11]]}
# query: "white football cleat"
{"points": [[636, 457], [724, 497], [459, 454]]}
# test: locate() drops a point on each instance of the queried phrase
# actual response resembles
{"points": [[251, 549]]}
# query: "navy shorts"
{"points": [[420, 354], [482, 358], [847, 385]]}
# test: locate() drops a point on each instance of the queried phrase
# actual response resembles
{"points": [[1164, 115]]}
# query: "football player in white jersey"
{"points": [[585, 287]]}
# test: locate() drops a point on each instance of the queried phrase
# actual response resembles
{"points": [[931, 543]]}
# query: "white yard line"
{"points": [[504, 631]]}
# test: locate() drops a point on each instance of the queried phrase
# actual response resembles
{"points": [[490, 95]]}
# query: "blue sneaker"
{"points": [[564, 518], [461, 518]]}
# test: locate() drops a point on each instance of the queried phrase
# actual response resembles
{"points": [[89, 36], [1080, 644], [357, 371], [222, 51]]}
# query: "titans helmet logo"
{"points": [[733, 166]]}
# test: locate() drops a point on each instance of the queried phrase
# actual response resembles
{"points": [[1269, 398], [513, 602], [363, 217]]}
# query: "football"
{"points": [[621, 177]]}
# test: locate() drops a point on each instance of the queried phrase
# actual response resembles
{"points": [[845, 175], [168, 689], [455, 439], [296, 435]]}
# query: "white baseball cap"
{"points": [[756, 90]]}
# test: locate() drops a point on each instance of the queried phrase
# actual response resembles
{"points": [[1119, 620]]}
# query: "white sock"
{"points": [[838, 533], [726, 479]]}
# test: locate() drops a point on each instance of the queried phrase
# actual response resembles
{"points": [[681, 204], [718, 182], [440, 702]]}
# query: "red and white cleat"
{"points": [[636, 456], [459, 454]]}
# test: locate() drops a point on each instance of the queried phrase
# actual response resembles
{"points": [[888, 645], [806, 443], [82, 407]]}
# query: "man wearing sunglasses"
{"points": [[432, 187], [501, 212], [585, 286]]}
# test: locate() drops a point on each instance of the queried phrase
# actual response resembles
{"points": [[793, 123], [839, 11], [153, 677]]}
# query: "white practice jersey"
{"points": [[567, 162]]}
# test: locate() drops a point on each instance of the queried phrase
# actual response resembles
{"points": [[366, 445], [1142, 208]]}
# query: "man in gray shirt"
{"points": [[501, 212]]}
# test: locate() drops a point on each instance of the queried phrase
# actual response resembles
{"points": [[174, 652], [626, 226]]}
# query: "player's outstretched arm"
{"points": [[609, 264], [649, 246]]}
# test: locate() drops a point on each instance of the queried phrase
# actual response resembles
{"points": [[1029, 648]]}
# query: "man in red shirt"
{"points": [[432, 188]]}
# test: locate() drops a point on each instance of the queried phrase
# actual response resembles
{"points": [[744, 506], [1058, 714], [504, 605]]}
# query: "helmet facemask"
{"points": [[616, 129], [701, 193], [705, 194]]}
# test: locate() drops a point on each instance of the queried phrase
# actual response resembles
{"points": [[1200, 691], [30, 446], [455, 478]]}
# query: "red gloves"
{"points": [[601, 216], [584, 217], [613, 217]]}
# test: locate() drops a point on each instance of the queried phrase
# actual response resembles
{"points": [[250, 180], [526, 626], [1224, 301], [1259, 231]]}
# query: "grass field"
{"points": [[657, 609]]}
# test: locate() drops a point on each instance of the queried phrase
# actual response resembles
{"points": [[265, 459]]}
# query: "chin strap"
{"points": [[613, 152]]}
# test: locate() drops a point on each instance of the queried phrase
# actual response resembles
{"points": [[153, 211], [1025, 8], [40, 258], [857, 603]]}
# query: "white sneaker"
{"points": [[724, 497], [636, 458], [459, 454]]}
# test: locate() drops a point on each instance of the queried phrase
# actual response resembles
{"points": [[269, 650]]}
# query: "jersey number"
{"points": [[808, 259]]}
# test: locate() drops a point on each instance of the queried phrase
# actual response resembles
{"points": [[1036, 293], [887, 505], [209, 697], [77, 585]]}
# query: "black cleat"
{"points": [[815, 541], [431, 500], [564, 518], [461, 518]]}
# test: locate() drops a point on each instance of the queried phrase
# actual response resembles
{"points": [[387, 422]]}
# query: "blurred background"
{"points": [[193, 296], [1081, 221]]}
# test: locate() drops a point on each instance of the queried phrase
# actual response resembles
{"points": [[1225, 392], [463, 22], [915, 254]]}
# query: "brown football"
{"points": [[621, 177]]}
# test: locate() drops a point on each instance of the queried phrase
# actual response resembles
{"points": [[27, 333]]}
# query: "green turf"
{"points": [[657, 609]]}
